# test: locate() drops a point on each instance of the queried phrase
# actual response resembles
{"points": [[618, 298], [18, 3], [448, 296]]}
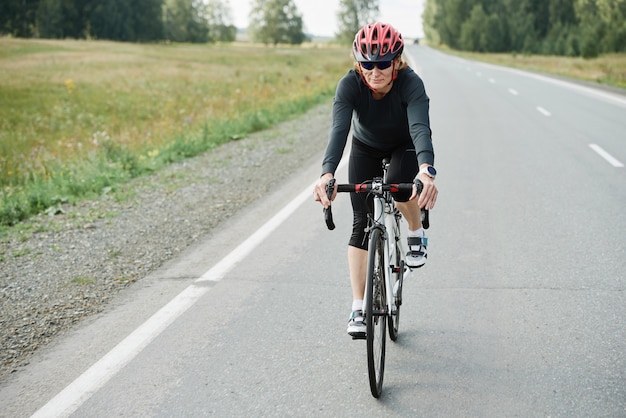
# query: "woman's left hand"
{"points": [[428, 197]]}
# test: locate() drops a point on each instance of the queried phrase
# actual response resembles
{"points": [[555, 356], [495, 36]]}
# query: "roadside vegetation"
{"points": [[580, 28], [79, 118], [608, 69], [583, 39]]}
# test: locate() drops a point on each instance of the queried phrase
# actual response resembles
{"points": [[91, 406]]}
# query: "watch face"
{"points": [[432, 171]]}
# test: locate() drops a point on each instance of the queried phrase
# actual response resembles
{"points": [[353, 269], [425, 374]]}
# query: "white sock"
{"points": [[418, 233], [357, 305]]}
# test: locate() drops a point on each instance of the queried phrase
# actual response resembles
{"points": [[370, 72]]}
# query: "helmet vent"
{"points": [[377, 42]]}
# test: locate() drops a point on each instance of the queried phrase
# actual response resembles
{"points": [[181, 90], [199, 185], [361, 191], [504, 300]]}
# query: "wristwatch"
{"points": [[429, 171]]}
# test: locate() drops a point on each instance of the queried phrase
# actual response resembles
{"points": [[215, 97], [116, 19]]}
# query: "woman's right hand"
{"points": [[319, 191]]}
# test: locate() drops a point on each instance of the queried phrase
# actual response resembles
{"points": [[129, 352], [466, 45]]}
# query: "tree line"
{"points": [[584, 28], [271, 21], [119, 20]]}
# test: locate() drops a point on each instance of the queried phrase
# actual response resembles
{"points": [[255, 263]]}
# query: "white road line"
{"points": [[513, 92], [612, 160], [543, 111], [218, 271], [81, 389], [609, 97]]}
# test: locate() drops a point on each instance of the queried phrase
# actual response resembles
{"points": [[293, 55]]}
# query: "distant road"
{"points": [[520, 310]]}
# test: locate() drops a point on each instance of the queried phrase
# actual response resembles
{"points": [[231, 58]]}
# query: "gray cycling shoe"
{"points": [[416, 257], [356, 325]]}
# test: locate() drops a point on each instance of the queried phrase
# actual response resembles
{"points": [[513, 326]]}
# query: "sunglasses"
{"points": [[382, 65]]}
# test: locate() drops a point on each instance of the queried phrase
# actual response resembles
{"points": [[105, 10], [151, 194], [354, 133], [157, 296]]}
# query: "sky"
{"points": [[320, 16]]}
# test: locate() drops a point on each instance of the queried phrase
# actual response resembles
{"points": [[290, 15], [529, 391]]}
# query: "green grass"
{"points": [[80, 117], [83, 281]]}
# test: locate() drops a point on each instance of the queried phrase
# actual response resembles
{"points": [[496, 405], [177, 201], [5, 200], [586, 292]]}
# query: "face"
{"points": [[376, 78]]}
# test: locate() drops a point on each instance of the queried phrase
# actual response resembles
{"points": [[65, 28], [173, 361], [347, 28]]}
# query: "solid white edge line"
{"points": [[608, 157], [80, 390], [218, 272], [609, 97], [600, 94], [220, 269]]}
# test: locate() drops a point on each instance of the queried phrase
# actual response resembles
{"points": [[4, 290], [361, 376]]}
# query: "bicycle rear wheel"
{"points": [[376, 312]]}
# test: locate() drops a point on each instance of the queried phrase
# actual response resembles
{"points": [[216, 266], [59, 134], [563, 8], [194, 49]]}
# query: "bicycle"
{"points": [[382, 299]]}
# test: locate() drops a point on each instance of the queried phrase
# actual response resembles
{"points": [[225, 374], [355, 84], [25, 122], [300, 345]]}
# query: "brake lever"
{"points": [[424, 212], [425, 220], [328, 213]]}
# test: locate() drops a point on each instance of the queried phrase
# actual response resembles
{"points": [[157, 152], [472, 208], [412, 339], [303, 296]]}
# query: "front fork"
{"points": [[387, 214], [394, 246]]}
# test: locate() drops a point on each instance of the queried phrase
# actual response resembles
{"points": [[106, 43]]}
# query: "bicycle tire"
{"points": [[376, 312], [394, 318]]}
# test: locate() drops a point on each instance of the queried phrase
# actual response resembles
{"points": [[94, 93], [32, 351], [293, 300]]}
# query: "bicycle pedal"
{"points": [[359, 336], [411, 268]]}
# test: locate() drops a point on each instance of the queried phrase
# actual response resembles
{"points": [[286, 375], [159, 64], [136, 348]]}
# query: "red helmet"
{"points": [[377, 42]]}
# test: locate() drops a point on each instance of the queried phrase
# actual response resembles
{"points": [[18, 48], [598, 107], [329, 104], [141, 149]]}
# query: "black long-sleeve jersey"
{"points": [[399, 117]]}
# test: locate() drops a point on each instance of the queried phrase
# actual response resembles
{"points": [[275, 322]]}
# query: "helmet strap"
{"points": [[365, 81]]}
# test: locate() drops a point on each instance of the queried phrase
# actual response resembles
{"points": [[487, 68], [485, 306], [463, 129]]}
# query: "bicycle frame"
{"points": [[383, 225], [386, 219]]}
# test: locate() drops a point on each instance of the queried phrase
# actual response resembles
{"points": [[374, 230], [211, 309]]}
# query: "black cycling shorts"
{"points": [[365, 164]]}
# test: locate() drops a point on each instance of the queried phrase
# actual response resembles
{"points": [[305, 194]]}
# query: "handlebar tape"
{"points": [[328, 213], [330, 188], [424, 214]]}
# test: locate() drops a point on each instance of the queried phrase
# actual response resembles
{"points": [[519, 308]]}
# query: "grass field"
{"points": [[81, 116]]}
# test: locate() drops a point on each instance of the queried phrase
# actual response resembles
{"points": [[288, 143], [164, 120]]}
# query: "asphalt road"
{"points": [[520, 310]]}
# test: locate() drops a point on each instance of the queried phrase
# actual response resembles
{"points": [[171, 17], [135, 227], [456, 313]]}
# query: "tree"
{"points": [[185, 21], [17, 17], [75, 20], [49, 19], [220, 21], [148, 19], [276, 21], [473, 29], [429, 22], [519, 25], [602, 26], [482, 32], [137, 20], [565, 27], [352, 15], [112, 19], [59, 19]]}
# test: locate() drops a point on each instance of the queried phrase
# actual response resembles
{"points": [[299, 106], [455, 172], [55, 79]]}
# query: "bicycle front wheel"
{"points": [[394, 320], [376, 312]]}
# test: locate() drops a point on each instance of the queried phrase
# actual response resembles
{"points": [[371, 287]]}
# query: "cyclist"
{"points": [[385, 103]]}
